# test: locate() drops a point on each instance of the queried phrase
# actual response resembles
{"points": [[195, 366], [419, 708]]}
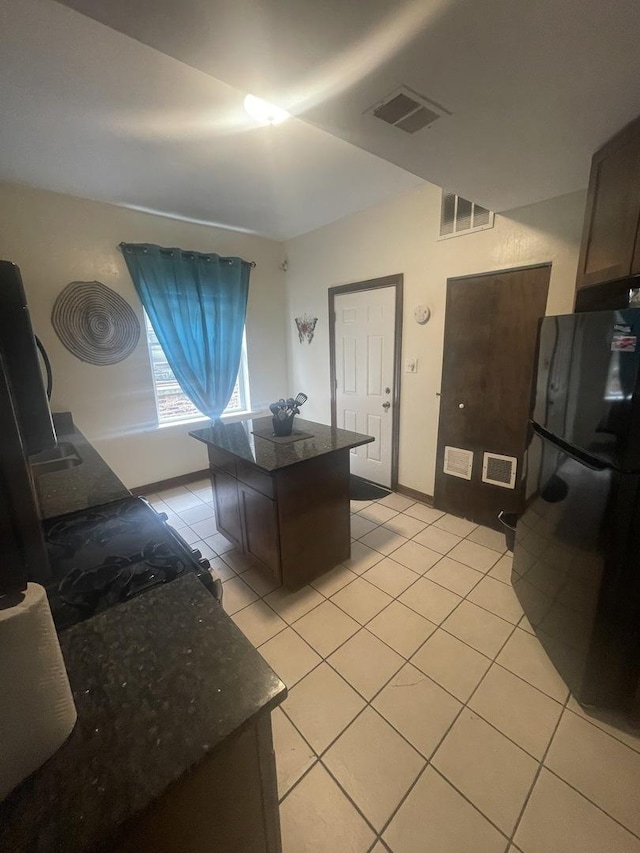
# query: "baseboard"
{"points": [[413, 493], [171, 483], [183, 479]]}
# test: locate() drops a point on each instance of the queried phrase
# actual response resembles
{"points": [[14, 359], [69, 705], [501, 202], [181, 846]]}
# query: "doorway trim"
{"points": [[397, 282]]}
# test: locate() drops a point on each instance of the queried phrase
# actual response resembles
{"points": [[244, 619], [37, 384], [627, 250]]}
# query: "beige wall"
{"points": [[56, 239], [400, 236]]}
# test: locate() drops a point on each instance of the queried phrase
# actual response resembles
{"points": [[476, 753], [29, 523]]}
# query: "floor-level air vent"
{"points": [[499, 470], [407, 110], [458, 462]]}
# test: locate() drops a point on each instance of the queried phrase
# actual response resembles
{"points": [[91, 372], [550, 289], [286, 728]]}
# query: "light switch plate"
{"points": [[411, 365]]}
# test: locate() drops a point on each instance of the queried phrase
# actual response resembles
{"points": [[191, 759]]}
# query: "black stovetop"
{"points": [[106, 555]]}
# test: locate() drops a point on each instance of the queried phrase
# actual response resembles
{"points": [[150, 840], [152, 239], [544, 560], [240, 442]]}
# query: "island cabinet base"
{"points": [[294, 522], [228, 802]]}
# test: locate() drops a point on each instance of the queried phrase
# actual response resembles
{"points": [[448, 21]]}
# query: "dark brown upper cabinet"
{"points": [[610, 247]]}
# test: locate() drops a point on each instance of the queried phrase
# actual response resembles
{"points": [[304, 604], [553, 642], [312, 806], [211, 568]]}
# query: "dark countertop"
{"points": [[89, 484], [158, 683], [237, 438]]}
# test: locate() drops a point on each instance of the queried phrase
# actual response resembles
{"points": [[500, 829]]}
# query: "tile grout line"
{"points": [[588, 799], [408, 661], [465, 704], [388, 556], [430, 524], [437, 747], [362, 627], [587, 719], [441, 626], [320, 756], [538, 772], [440, 742], [319, 760], [368, 703], [394, 598], [427, 525], [400, 734], [413, 583]]}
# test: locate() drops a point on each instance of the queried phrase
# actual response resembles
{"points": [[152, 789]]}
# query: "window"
{"points": [[459, 216], [172, 404]]}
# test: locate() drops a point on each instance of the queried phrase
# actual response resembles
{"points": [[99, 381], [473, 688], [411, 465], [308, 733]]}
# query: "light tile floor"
{"points": [[423, 715]]}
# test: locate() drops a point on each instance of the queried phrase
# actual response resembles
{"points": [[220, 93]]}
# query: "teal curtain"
{"points": [[197, 306]]}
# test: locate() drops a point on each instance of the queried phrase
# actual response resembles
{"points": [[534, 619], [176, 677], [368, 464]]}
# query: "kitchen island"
{"points": [[284, 501]]}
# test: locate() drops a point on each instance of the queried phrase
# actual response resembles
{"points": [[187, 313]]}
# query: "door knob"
{"points": [[386, 405], [461, 405]]}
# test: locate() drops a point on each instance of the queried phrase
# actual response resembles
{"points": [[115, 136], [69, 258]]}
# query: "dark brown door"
{"points": [[489, 348]]}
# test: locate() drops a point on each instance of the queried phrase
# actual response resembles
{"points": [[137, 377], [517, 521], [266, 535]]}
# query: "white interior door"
{"points": [[364, 342]]}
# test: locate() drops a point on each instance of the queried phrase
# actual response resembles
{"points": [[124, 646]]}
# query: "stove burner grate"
{"points": [[68, 535], [161, 556], [118, 578], [108, 554]]}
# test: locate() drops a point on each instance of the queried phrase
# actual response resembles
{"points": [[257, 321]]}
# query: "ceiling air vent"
{"points": [[499, 470], [407, 110], [458, 462]]}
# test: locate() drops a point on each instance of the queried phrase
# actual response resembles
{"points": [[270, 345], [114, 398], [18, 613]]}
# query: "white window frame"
{"points": [[242, 382]]}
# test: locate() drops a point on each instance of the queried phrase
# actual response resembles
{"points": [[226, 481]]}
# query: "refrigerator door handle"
{"points": [[583, 458]]}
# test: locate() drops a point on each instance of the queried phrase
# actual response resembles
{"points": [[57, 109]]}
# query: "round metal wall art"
{"points": [[95, 323]]}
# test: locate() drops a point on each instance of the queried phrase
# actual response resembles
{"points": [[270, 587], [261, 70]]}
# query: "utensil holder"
{"points": [[284, 426]]}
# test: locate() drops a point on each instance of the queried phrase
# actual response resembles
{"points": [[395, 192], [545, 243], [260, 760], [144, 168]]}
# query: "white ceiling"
{"points": [[533, 88], [88, 111]]}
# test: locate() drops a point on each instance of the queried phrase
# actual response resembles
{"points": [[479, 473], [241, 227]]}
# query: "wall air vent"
{"points": [[407, 110], [499, 470], [458, 462], [460, 216]]}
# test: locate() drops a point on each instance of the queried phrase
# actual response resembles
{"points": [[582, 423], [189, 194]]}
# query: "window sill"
{"points": [[197, 423]]}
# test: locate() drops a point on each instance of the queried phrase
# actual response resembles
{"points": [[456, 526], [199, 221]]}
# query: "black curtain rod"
{"points": [[252, 264]]}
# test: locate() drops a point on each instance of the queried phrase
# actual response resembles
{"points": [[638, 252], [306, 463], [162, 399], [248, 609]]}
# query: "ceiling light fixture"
{"points": [[264, 112]]}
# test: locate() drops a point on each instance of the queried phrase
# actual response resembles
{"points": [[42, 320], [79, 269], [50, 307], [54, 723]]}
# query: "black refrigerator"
{"points": [[576, 566], [25, 429]]}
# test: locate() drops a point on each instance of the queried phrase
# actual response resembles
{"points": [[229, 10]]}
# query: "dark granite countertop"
{"points": [[90, 483], [158, 683], [238, 439]]}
